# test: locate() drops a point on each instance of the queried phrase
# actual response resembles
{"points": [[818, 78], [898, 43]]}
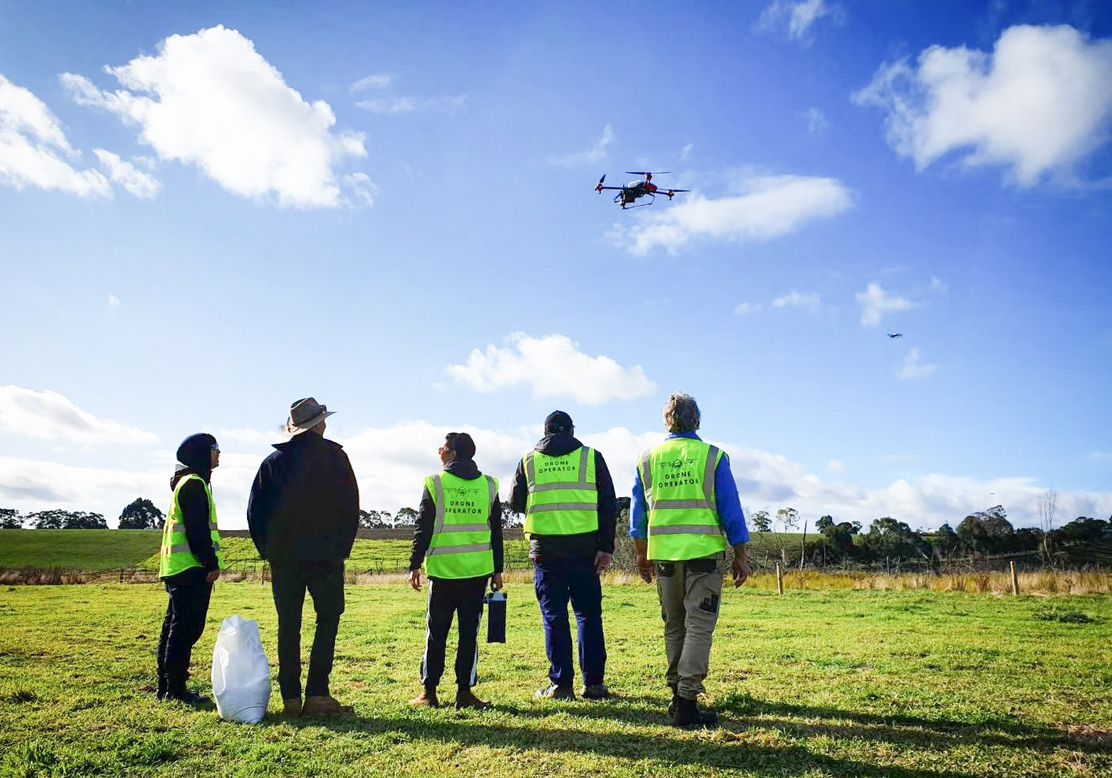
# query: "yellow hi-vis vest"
{"points": [[563, 495], [678, 476], [175, 555], [460, 545]]}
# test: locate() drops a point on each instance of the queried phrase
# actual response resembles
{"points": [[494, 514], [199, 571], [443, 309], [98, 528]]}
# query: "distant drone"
{"points": [[626, 195], [895, 334]]}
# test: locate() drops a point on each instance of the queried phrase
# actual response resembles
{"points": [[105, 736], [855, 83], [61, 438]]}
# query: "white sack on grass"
{"points": [[240, 672]]}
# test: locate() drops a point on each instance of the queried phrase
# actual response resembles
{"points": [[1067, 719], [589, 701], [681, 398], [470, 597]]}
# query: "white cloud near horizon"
{"points": [[34, 150], [795, 18], [794, 299], [914, 367], [877, 303], [372, 82], [211, 100], [49, 415], [552, 366], [771, 207], [1036, 105], [595, 153], [128, 176]]}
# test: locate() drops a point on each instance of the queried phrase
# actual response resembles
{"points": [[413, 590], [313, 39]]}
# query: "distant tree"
{"points": [[945, 542], [373, 519], [60, 519], [788, 519], [55, 519], [10, 519], [1048, 506], [141, 514], [509, 518], [1083, 530], [405, 517], [824, 524], [888, 537], [761, 521]]}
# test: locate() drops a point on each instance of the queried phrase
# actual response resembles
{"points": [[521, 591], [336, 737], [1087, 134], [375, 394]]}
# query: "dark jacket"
{"points": [[548, 547], [426, 518], [304, 504], [195, 516]]}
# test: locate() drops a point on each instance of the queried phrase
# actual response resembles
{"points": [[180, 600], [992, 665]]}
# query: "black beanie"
{"points": [[558, 421], [195, 452]]}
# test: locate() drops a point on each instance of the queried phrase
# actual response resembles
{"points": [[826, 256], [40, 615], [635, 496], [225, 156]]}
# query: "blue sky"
{"points": [[208, 212]]}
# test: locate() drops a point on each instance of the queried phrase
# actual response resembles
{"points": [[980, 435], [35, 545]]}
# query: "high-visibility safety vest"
{"points": [[460, 545], [175, 556], [563, 494], [678, 476]]}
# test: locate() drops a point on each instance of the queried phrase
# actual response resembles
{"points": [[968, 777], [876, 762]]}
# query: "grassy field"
{"points": [[847, 683]]}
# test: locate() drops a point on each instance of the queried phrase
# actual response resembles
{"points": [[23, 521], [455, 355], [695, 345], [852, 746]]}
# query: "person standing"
{"points": [[303, 513], [189, 562], [566, 493], [459, 538], [685, 509]]}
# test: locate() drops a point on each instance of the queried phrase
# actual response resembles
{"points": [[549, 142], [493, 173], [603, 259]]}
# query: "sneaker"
{"points": [[465, 698], [291, 708], [555, 692], [596, 691], [325, 705], [426, 699], [689, 716]]}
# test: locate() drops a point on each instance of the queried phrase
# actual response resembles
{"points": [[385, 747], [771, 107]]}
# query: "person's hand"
{"points": [[740, 569], [645, 568], [602, 561], [415, 579], [496, 582], [212, 576]]}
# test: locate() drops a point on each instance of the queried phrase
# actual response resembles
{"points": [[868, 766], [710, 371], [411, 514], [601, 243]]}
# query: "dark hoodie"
{"points": [[586, 545], [195, 458], [426, 518]]}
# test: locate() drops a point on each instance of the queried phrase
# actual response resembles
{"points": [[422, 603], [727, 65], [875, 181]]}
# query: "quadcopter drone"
{"points": [[628, 194]]}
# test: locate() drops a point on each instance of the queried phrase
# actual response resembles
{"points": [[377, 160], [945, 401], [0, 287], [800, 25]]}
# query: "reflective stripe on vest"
{"points": [[678, 478], [460, 546], [175, 555], [563, 493]]}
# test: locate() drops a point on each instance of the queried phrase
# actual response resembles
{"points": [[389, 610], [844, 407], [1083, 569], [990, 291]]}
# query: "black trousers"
{"points": [[447, 597], [182, 627], [325, 583]]}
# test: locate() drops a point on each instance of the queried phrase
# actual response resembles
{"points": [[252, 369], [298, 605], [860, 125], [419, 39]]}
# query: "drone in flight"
{"points": [[895, 334], [626, 195]]}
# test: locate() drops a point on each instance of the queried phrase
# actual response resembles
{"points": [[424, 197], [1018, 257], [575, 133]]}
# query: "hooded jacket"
{"points": [[195, 458], [552, 547], [304, 503]]}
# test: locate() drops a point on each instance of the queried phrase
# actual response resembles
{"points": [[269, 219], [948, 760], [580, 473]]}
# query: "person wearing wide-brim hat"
{"points": [[189, 562], [304, 514]]}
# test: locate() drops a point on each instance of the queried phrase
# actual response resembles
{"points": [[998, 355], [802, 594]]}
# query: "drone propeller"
{"points": [[647, 172], [599, 187]]}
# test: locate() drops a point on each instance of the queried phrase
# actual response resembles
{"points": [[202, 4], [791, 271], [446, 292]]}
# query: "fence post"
{"points": [[1015, 579], [779, 579]]}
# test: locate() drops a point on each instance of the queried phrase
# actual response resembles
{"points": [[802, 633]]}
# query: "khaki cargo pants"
{"points": [[690, 594]]}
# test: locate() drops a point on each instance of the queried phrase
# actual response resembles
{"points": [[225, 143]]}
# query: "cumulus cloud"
{"points": [[745, 309], [795, 299], [128, 176], [877, 303], [553, 366], [51, 416], [770, 207], [596, 152], [817, 123], [914, 367], [34, 150], [211, 100], [836, 466], [795, 18], [1036, 105]]}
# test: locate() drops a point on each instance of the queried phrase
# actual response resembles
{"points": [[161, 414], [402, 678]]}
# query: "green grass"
{"points": [[836, 683]]}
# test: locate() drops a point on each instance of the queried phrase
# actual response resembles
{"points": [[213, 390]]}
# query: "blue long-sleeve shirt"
{"points": [[726, 496]]}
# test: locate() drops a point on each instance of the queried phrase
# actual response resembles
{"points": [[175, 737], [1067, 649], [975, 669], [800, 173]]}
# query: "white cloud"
{"points": [[795, 18], [836, 466], [745, 309], [937, 285], [553, 366], [771, 207], [374, 81], [51, 416], [1036, 105], [34, 150], [113, 301], [394, 105], [211, 100], [817, 123], [589, 156], [914, 367], [795, 299], [877, 303], [128, 176]]}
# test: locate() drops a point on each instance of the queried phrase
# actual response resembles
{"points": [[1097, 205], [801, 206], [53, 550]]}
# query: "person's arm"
{"points": [[260, 506], [520, 494], [607, 506], [422, 533], [639, 528], [496, 535], [732, 518], [194, 503], [349, 505]]}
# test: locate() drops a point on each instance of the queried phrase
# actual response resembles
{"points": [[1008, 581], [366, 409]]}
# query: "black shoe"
{"points": [[596, 691], [688, 716], [555, 692], [675, 696], [162, 685], [189, 698]]}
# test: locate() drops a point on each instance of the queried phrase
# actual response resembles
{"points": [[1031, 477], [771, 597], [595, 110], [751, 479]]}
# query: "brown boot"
{"points": [[466, 699], [291, 708], [325, 705], [426, 699]]}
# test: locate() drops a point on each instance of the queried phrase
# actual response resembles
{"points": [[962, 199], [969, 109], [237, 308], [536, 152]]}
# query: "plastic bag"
{"points": [[240, 672]]}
